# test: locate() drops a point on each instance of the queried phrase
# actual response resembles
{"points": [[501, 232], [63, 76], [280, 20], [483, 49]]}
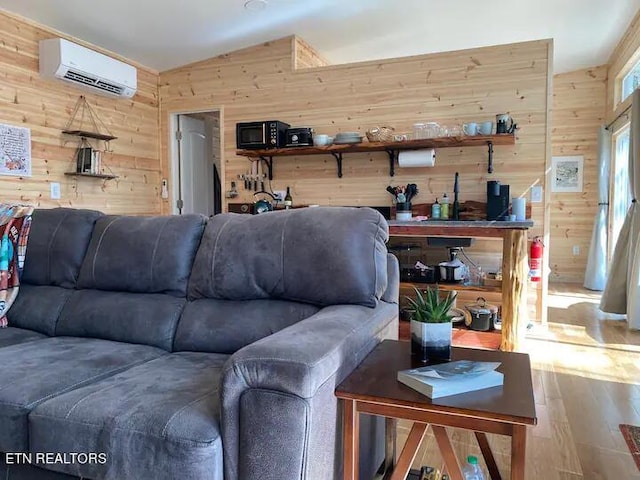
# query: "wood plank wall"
{"points": [[450, 88], [579, 104], [305, 56], [45, 106]]}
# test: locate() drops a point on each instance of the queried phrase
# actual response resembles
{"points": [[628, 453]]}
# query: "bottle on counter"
{"points": [[288, 201], [444, 207], [435, 210]]}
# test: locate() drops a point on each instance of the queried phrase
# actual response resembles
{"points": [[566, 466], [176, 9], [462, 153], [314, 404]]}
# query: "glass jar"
{"points": [[419, 131], [432, 130]]}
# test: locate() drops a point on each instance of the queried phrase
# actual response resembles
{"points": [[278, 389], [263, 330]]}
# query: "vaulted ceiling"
{"points": [[165, 34]]}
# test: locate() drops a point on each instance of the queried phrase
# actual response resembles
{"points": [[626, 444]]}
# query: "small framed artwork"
{"points": [[566, 174]]}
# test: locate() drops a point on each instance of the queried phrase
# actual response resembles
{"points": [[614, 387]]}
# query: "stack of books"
{"points": [[88, 160], [452, 378]]}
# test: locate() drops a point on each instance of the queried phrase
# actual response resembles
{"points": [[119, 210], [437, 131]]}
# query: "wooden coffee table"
{"points": [[373, 389]]}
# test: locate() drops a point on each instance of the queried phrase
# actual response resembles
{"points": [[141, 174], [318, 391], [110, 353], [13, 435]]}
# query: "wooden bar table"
{"points": [[373, 388], [515, 265]]}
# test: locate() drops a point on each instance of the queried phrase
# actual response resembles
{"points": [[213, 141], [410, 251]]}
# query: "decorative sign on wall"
{"points": [[566, 174], [15, 151]]}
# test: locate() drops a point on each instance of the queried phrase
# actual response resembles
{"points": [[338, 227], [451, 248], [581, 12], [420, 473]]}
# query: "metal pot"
{"points": [[481, 315], [262, 205]]}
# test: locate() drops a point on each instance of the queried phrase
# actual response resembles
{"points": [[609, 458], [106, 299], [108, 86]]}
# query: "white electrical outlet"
{"points": [[536, 194], [279, 195], [55, 191], [576, 249]]}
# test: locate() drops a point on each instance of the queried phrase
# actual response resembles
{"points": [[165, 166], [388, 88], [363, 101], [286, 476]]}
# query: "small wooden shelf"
{"points": [[453, 286], [86, 134], [104, 176], [391, 148]]}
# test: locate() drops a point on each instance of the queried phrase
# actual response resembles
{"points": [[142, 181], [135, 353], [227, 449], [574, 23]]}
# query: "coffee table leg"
{"points": [[351, 438], [446, 449], [518, 451], [409, 451], [485, 448], [390, 425]]}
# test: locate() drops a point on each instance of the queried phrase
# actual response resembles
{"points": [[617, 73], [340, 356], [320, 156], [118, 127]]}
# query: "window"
{"points": [[630, 82], [620, 188]]}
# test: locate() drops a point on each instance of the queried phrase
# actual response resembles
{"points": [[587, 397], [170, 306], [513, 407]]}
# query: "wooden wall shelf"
{"points": [[391, 148], [104, 176], [86, 134]]}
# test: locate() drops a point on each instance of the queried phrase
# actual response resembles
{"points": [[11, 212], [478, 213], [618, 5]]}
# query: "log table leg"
{"points": [[515, 272]]}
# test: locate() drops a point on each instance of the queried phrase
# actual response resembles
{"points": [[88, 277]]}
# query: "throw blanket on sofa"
{"points": [[15, 221]]}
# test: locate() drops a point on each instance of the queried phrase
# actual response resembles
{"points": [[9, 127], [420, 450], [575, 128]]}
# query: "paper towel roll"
{"points": [[417, 158], [519, 208]]}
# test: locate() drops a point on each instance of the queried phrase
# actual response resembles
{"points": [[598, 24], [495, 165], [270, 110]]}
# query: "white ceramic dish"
{"points": [[345, 141]]}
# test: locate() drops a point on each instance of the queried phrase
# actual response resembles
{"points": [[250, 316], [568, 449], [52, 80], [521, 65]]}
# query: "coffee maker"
{"points": [[497, 200]]}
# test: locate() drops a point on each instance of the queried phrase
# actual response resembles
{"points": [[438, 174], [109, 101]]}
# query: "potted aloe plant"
{"points": [[431, 324]]}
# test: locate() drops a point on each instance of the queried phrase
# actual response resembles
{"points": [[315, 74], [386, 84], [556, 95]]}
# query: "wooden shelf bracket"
{"points": [[392, 161], [338, 157], [490, 160]]}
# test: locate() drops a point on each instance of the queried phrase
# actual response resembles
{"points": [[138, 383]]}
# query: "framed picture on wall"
{"points": [[566, 174]]}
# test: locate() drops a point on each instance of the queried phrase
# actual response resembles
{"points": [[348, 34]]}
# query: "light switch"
{"points": [[55, 191], [536, 194]]}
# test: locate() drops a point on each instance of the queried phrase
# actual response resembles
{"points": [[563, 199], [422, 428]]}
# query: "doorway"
{"points": [[197, 163]]}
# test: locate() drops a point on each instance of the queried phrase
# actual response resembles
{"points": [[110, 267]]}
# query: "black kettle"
{"points": [[263, 205]]}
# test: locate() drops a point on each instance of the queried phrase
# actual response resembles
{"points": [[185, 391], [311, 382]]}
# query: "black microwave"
{"points": [[259, 135]]}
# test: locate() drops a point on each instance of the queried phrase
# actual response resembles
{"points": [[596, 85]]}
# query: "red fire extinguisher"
{"points": [[535, 259]]}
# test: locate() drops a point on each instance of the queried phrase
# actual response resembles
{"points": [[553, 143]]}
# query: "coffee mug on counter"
{"points": [[470, 128], [485, 128]]}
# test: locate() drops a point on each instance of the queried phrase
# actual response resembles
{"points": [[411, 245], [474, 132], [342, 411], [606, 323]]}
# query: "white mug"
{"points": [[485, 128], [321, 140], [470, 128]]}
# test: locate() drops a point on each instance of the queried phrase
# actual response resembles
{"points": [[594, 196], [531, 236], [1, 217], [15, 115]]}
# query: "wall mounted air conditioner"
{"points": [[81, 66]]}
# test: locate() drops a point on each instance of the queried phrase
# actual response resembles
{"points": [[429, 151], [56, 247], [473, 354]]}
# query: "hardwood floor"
{"points": [[586, 374]]}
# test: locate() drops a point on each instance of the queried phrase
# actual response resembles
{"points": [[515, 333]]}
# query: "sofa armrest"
{"points": [[296, 363], [299, 359]]}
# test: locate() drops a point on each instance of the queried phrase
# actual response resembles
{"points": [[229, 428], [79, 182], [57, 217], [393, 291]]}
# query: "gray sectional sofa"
{"points": [[186, 348]]}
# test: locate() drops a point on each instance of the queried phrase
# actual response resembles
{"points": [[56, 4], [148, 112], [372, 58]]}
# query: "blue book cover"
{"points": [[452, 378]]}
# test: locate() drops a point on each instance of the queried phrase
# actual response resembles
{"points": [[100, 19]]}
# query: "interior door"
{"points": [[196, 173]]}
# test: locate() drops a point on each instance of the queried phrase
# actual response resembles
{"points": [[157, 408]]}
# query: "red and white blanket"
{"points": [[15, 221]]}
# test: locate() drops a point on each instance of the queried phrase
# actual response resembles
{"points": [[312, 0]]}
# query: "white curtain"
{"points": [[595, 276], [622, 292]]}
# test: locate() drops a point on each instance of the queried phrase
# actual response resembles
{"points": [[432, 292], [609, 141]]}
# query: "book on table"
{"points": [[452, 378]]}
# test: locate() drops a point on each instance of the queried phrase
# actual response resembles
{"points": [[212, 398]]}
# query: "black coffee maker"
{"points": [[497, 200]]}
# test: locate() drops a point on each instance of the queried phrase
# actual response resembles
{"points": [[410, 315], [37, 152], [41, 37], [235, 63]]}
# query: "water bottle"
{"points": [[471, 470]]}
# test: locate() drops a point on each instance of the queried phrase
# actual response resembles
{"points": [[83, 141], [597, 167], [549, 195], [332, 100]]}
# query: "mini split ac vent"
{"points": [[93, 82], [76, 64]]}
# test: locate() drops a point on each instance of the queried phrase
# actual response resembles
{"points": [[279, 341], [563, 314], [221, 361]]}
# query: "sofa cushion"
{"points": [[33, 372], [57, 243], [16, 471], [142, 254], [38, 307], [147, 318], [225, 326], [159, 420], [13, 336], [324, 256]]}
